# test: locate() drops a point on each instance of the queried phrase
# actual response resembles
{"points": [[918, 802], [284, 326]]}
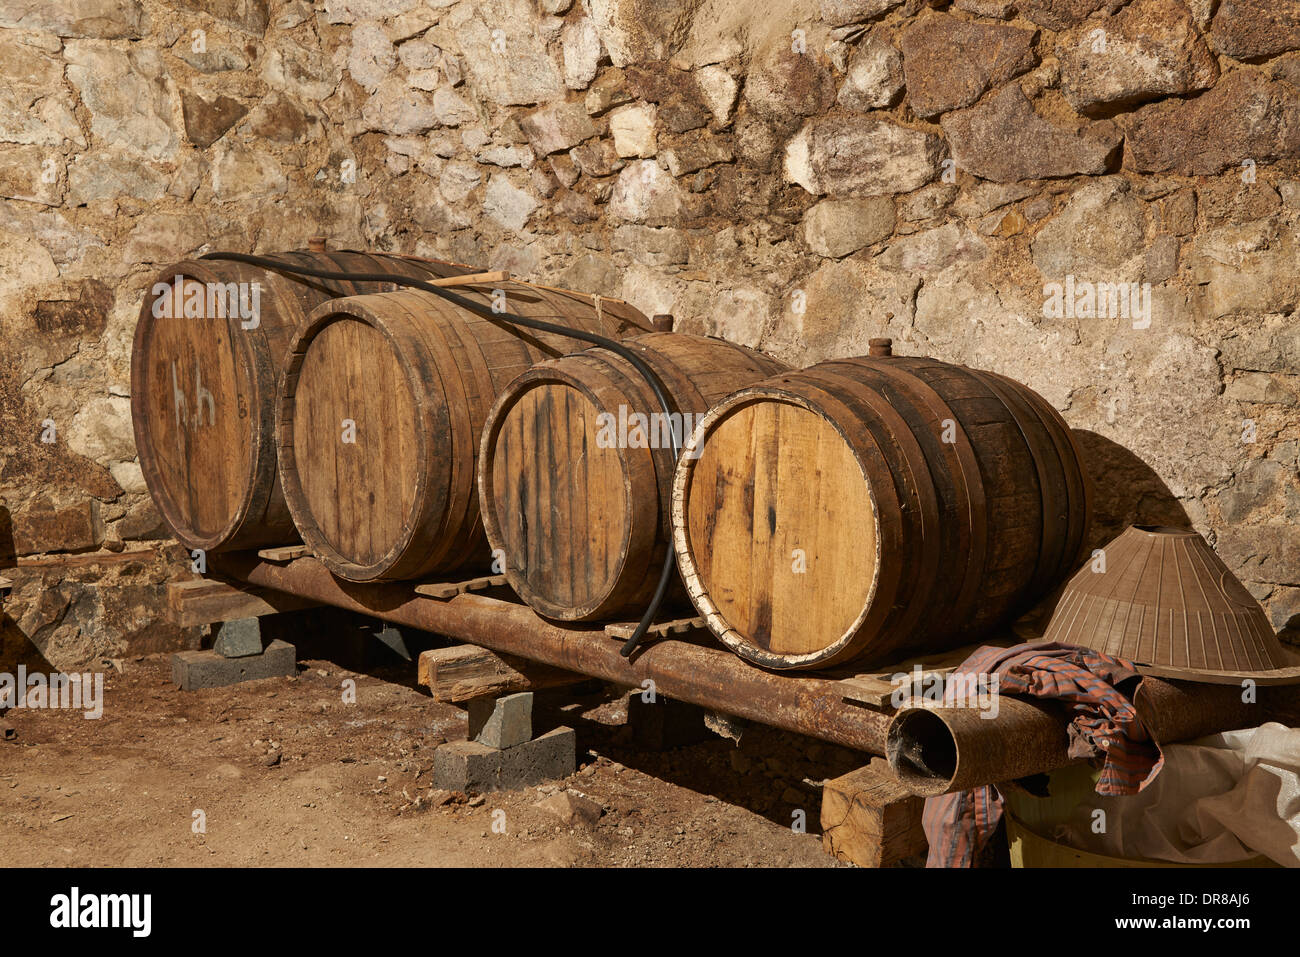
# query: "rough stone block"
{"points": [[466, 766], [472, 767], [192, 670], [502, 722], [393, 643], [237, 639], [546, 758]]}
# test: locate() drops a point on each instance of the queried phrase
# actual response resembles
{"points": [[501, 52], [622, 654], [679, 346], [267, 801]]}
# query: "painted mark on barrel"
{"points": [[202, 398]]}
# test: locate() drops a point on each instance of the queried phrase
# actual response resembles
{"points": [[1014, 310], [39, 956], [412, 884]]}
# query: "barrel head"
{"points": [[358, 451], [559, 499], [195, 401], [781, 528]]}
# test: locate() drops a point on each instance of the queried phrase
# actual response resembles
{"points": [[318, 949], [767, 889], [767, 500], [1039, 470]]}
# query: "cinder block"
{"points": [[503, 722], [237, 639], [665, 723], [545, 758], [392, 643], [192, 670], [466, 766], [472, 767]]}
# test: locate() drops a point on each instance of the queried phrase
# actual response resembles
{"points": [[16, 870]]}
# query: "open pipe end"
{"points": [[922, 750]]}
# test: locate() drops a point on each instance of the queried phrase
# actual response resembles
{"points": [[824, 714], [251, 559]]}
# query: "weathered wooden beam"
{"points": [[464, 672], [84, 559], [697, 673], [203, 601], [870, 819], [472, 279]]}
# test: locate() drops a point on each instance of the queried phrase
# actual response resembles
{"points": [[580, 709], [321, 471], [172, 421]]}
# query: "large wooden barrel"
{"points": [[864, 507], [382, 403], [203, 378], [576, 466]]}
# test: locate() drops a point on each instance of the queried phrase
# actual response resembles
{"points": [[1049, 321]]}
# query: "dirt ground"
{"points": [[285, 773]]}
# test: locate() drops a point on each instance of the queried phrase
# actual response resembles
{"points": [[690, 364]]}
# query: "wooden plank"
{"points": [[870, 690], [445, 590], [86, 559], [472, 279], [285, 553], [204, 601], [678, 626], [463, 672], [870, 819], [875, 689]]}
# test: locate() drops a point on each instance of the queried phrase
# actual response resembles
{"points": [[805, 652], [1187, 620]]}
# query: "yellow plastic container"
{"points": [[1029, 818]]}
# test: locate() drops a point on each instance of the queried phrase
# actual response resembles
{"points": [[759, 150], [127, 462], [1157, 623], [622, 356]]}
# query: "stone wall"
{"points": [[974, 179]]}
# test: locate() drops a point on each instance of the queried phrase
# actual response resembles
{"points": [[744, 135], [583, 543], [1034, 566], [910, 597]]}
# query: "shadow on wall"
{"points": [[15, 647], [8, 551], [1125, 490]]}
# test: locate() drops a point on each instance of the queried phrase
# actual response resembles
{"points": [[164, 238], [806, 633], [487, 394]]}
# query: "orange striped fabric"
{"points": [[1096, 691]]}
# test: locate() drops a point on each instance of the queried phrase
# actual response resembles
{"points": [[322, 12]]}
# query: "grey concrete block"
{"points": [[466, 766], [502, 722], [545, 758], [237, 639], [391, 639], [192, 670], [472, 767], [665, 723]]}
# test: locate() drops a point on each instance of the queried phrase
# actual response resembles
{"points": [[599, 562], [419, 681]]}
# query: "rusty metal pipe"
{"points": [[710, 677], [938, 750]]}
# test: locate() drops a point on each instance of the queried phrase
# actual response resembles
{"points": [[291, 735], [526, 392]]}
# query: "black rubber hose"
{"points": [[670, 559]]}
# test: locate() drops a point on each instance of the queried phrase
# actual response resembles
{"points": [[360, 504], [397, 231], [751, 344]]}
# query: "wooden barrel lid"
{"points": [[771, 498], [566, 530], [360, 423], [196, 383]]}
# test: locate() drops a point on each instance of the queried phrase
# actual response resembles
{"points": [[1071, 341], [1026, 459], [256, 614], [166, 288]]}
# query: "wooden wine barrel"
{"points": [[382, 403], [864, 507], [574, 487], [203, 386]]}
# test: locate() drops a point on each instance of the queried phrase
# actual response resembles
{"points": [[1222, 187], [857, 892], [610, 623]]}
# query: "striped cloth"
{"points": [[1096, 691]]}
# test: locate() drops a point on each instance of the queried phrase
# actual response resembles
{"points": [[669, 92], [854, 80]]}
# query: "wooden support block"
{"points": [[472, 279], [88, 559], [204, 601], [870, 690], [5, 587], [678, 626], [870, 819], [445, 590], [464, 672], [285, 553], [875, 690]]}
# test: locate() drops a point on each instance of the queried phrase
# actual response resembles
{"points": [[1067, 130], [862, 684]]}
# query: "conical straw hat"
{"points": [[1162, 599]]}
